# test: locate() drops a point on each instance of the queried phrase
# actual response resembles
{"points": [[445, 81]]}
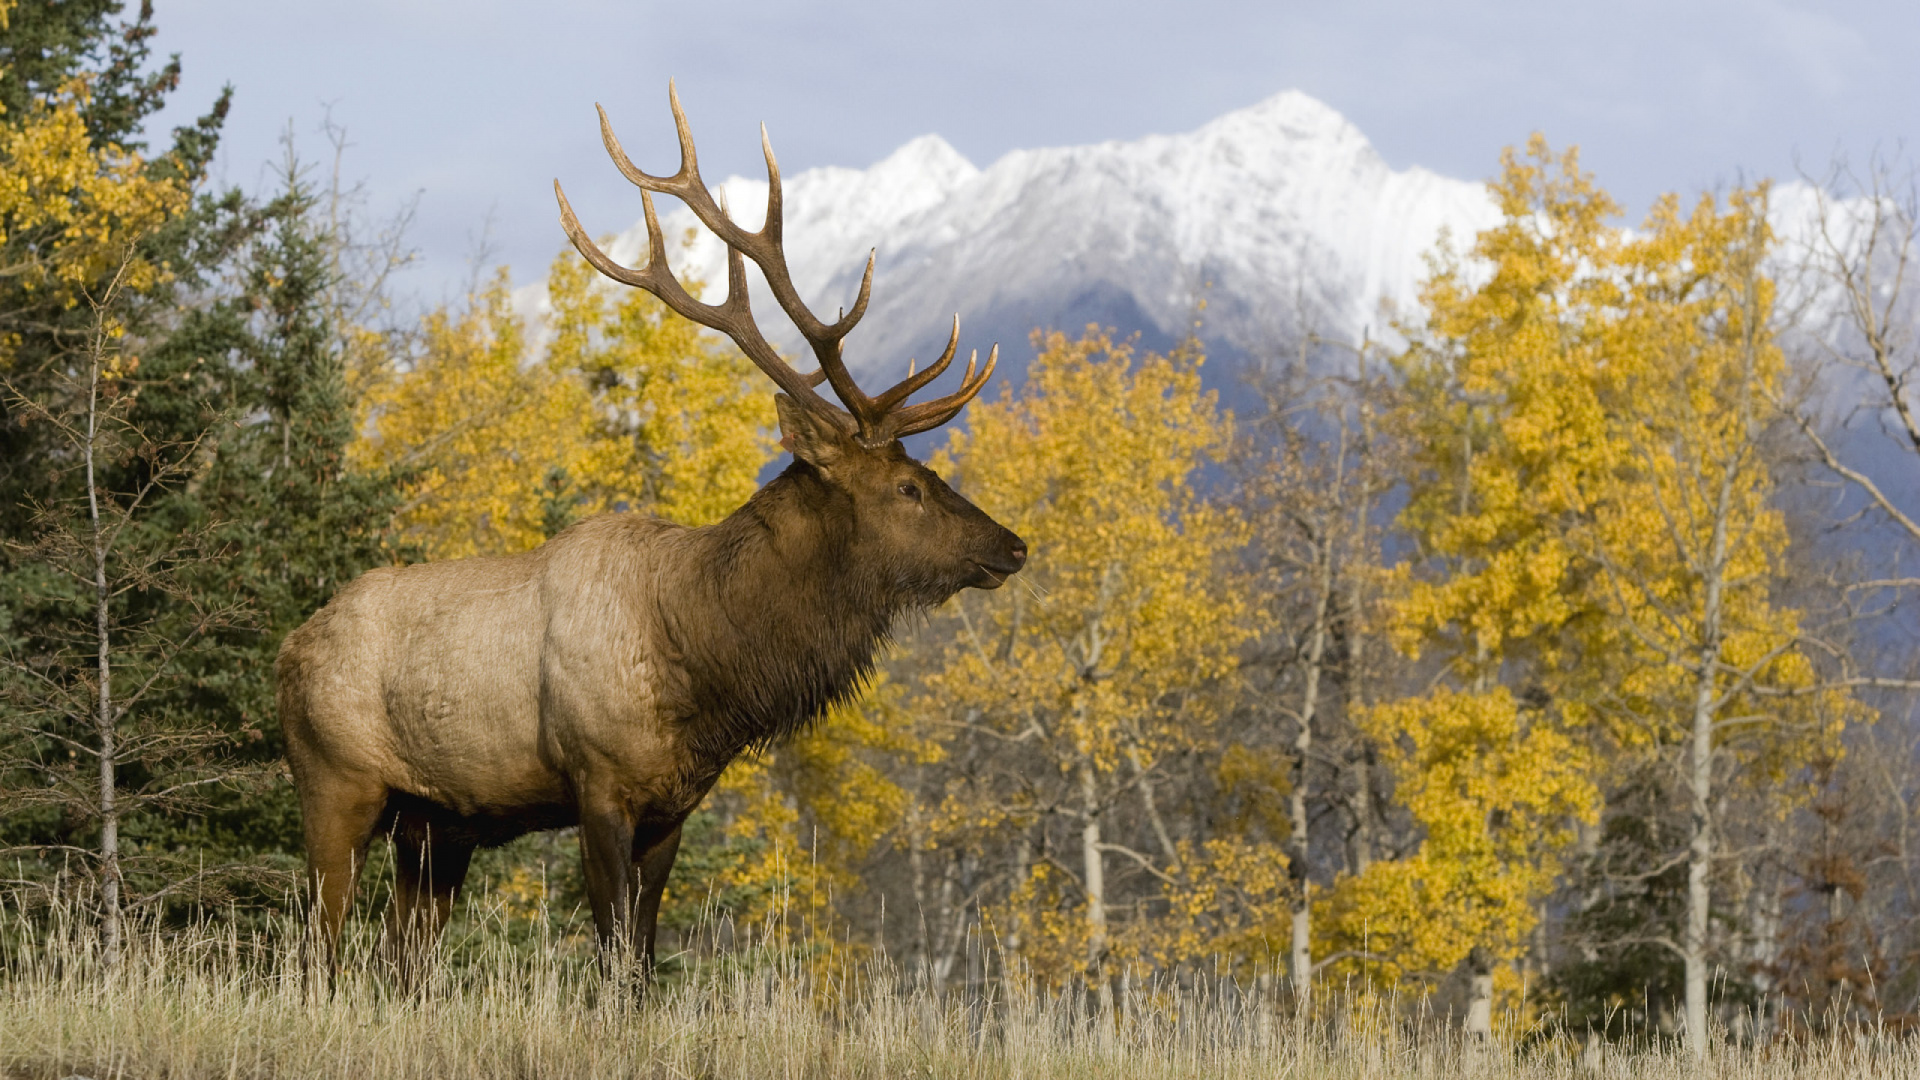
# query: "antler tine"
{"points": [[638, 177], [733, 317], [874, 420], [769, 254], [775, 225], [848, 319], [931, 414], [907, 387], [685, 184], [768, 248], [763, 247], [689, 163], [669, 292]]}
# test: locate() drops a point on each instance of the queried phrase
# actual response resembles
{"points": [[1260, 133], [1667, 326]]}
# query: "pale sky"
{"points": [[478, 105]]}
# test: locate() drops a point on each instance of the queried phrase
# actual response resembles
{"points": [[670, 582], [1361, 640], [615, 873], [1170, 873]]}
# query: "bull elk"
{"points": [[605, 678]]}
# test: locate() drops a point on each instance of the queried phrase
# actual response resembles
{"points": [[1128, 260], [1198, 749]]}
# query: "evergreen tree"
{"points": [[232, 345], [71, 61], [95, 238], [295, 522]]}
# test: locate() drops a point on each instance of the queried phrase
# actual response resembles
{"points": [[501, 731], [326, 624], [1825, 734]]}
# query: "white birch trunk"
{"points": [[1699, 858], [1479, 1023], [917, 876], [110, 936], [1300, 955], [1093, 862], [1693, 944]]}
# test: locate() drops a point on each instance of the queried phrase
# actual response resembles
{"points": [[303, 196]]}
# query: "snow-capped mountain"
{"points": [[1279, 215]]}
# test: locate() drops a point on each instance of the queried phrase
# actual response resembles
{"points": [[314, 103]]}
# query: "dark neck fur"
{"points": [[776, 620]]}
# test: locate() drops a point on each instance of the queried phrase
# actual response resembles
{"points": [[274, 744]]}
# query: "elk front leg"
{"points": [[428, 871], [656, 865], [606, 856]]}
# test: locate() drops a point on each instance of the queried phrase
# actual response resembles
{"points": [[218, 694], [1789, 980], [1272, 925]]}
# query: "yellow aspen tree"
{"points": [[476, 432], [1690, 543], [1592, 492], [627, 408], [684, 422], [1082, 683], [1497, 415], [800, 817], [1493, 788], [70, 212]]}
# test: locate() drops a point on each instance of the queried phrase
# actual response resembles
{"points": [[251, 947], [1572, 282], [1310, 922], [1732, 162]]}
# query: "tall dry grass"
{"points": [[212, 1000]]}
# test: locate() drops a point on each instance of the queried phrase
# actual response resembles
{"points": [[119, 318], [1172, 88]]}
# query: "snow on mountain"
{"points": [[1280, 215]]}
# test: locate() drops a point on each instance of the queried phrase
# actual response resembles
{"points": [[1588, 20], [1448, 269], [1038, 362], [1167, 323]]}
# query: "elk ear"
{"points": [[810, 437]]}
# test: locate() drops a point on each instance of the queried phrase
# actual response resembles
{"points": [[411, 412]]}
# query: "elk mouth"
{"points": [[991, 577]]}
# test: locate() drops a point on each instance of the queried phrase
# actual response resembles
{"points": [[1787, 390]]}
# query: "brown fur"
{"points": [[606, 678]]}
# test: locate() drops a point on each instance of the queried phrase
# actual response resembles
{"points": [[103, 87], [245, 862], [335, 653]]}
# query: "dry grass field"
{"points": [[222, 1004]]}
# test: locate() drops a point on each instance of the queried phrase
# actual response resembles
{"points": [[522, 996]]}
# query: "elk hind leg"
{"points": [[338, 817]]}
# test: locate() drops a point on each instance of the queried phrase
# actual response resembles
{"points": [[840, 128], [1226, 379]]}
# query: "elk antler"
{"points": [[874, 420]]}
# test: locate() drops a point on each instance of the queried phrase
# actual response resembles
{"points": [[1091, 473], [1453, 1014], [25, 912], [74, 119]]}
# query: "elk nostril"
{"points": [[1019, 553]]}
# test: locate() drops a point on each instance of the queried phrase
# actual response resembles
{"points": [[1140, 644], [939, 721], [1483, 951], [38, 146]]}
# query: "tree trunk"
{"points": [[1095, 870], [1766, 947], [917, 875], [1479, 994], [1365, 827], [953, 927], [1699, 861], [1159, 824], [1022, 873], [109, 811], [1360, 849], [1700, 779], [1300, 956], [110, 943]]}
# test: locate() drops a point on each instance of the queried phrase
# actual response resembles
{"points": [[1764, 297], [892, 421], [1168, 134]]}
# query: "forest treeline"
{"points": [[1552, 657]]}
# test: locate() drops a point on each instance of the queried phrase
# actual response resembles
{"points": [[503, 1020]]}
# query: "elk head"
{"points": [[925, 539]]}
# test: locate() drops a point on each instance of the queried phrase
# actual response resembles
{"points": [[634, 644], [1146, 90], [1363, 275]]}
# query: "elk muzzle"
{"points": [[994, 568]]}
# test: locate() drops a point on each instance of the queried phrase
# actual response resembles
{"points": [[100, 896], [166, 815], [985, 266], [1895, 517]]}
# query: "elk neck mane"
{"points": [[779, 620]]}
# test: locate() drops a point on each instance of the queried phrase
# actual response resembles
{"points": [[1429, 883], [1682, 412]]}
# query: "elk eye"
{"points": [[911, 491]]}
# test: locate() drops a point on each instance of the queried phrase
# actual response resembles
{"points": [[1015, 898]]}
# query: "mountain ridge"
{"points": [[1281, 215]]}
